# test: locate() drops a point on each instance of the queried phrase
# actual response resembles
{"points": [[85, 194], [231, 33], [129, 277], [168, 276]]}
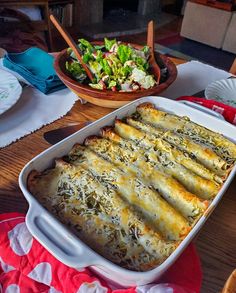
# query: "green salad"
{"points": [[115, 66]]}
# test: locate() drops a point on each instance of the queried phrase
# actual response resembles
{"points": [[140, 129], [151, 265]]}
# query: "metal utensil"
{"points": [[56, 135]]}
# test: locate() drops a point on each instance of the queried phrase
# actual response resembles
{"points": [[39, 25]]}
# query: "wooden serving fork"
{"points": [[150, 44]]}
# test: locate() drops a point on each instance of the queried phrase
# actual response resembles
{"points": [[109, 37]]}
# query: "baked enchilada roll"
{"points": [[189, 205], [187, 178], [221, 145], [202, 154], [159, 213], [171, 162], [99, 216], [173, 153]]}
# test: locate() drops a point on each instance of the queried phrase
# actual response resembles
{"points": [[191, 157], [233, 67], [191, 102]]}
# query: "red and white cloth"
{"points": [[228, 112], [26, 266]]}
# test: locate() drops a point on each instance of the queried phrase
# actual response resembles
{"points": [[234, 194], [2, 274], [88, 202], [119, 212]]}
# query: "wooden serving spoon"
{"points": [[150, 44], [66, 36]]}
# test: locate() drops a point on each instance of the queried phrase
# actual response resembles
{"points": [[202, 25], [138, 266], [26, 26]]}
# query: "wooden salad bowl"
{"points": [[108, 98]]}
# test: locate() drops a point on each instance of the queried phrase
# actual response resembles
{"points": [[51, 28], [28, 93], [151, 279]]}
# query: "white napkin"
{"points": [[32, 111], [193, 77]]}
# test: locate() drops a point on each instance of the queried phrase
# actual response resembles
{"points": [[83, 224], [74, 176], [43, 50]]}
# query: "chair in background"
{"points": [[229, 44], [205, 24], [36, 25]]}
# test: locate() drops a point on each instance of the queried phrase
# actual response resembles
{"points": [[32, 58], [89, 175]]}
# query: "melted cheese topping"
{"points": [[160, 215], [131, 162], [99, 216], [171, 161], [220, 145], [202, 154], [134, 193]]}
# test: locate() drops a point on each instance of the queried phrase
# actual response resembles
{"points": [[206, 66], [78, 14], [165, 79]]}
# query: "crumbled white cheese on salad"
{"points": [[115, 66]]}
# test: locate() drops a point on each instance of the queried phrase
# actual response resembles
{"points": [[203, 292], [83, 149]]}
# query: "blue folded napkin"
{"points": [[36, 66]]}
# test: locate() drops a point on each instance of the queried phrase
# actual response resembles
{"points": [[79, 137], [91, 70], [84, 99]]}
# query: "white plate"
{"points": [[10, 90], [223, 90]]}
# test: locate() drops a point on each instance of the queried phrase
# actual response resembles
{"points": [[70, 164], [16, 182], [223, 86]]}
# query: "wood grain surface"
{"points": [[216, 243]]}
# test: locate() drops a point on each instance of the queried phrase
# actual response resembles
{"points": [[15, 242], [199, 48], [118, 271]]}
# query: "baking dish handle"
{"points": [[202, 109], [59, 241]]}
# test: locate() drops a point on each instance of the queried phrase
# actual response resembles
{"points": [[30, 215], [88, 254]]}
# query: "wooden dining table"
{"points": [[216, 242]]}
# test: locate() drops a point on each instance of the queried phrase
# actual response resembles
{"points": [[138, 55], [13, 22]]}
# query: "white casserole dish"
{"points": [[70, 250]]}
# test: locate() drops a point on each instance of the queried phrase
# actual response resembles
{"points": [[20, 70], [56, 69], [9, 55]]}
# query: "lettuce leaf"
{"points": [[99, 47], [87, 57], [76, 70], [86, 43], [124, 53], [111, 84], [141, 63], [97, 86], [105, 66], [146, 50], [71, 53], [99, 55], [109, 43], [125, 71], [95, 67]]}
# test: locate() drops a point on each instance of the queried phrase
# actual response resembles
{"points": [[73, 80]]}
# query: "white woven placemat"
{"points": [[193, 77], [32, 111]]}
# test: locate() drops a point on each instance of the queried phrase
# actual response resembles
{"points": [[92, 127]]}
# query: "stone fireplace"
{"points": [[116, 6], [112, 18]]}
